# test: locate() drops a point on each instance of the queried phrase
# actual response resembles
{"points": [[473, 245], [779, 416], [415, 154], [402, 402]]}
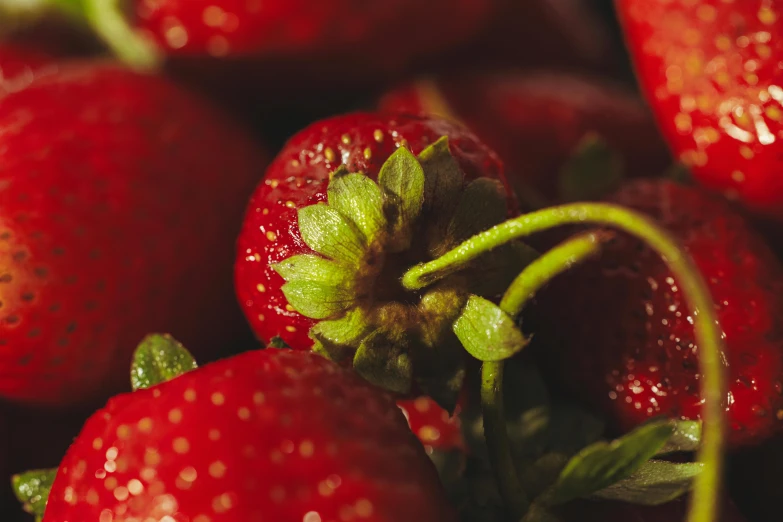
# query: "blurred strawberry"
{"points": [[534, 121], [121, 197]]}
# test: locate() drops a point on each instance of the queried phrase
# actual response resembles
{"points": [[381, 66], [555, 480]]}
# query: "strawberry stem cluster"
{"points": [[704, 504]]}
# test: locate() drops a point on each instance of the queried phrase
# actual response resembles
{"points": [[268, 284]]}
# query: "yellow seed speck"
{"points": [[295, 163], [190, 395], [746, 152], [145, 425], [290, 204], [202, 518], [148, 474], [289, 308], [265, 212], [110, 483], [243, 413], [271, 236], [706, 13], [738, 176], [189, 474], [421, 404], [217, 469], [261, 317], [306, 449], [123, 432], [92, 497], [261, 288], [135, 487], [346, 139], [274, 183], [378, 135], [290, 329], [429, 433], [181, 445], [329, 154], [767, 16], [367, 153], [97, 443], [175, 416], [214, 434], [218, 398], [258, 397], [364, 508], [151, 457]]}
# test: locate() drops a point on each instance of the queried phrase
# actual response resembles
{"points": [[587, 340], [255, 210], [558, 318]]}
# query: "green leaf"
{"points": [[32, 489], [348, 330], [686, 438], [442, 177], [159, 358], [318, 300], [656, 482], [605, 463], [383, 364], [329, 233], [593, 170], [278, 343], [359, 199], [487, 332], [482, 206], [401, 179], [309, 267]]}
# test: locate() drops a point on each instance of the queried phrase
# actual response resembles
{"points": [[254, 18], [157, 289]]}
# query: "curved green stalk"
{"points": [[521, 290], [709, 337], [107, 19]]}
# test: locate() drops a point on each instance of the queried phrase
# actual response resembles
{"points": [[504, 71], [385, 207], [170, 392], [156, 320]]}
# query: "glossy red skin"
{"points": [[433, 425], [534, 120], [393, 31], [617, 333], [269, 434], [710, 70], [117, 218], [299, 176], [18, 66], [676, 511]]}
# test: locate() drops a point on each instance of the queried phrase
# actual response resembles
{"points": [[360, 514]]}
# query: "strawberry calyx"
{"points": [[365, 236], [32, 490], [106, 18]]}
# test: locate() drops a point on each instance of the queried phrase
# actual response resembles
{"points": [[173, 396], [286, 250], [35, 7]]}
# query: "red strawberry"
{"points": [[620, 326], [17, 65], [435, 427], [120, 194], [334, 42], [534, 121], [267, 435], [370, 316], [710, 69], [676, 511]]}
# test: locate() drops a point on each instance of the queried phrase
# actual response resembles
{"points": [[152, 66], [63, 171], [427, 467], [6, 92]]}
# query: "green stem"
{"points": [[704, 500], [107, 19], [524, 286]]}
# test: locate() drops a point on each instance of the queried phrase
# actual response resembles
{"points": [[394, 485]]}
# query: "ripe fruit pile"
{"points": [[424, 265]]}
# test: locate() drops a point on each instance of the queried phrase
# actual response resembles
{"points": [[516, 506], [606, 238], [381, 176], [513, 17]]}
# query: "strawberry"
{"points": [[620, 324], [117, 218], [710, 70], [18, 64], [356, 306], [535, 120], [267, 435], [435, 427], [676, 511], [335, 41]]}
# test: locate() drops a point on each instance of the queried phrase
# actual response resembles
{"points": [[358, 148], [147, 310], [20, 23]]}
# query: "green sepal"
{"points": [[329, 233], [686, 438], [317, 300], [277, 343], [401, 179], [159, 358], [593, 170], [309, 267], [346, 331], [32, 490], [482, 206], [381, 362], [655, 482], [487, 332], [605, 463], [442, 178], [359, 199]]}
